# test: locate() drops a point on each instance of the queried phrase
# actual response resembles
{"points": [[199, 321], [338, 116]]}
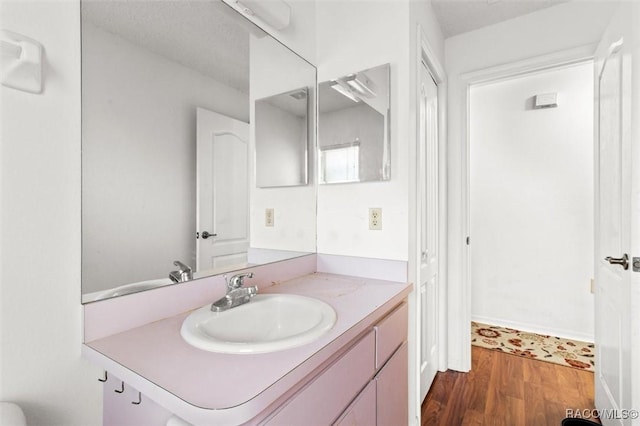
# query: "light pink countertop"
{"points": [[235, 388]]}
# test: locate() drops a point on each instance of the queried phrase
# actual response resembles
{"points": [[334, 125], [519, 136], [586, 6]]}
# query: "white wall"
{"points": [[281, 152], [531, 202], [384, 32], [379, 35], [40, 316], [139, 167], [353, 36], [276, 70], [568, 25]]}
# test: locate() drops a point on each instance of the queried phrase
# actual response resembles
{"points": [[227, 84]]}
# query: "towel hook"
{"points": [[106, 377], [121, 389], [22, 67], [139, 399]]}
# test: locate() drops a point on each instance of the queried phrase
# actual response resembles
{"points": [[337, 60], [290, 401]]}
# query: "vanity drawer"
{"points": [[390, 333], [362, 412], [392, 390], [322, 401]]}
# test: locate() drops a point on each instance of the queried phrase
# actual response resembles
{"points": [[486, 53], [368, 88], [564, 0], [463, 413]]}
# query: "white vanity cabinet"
{"points": [[368, 385]]}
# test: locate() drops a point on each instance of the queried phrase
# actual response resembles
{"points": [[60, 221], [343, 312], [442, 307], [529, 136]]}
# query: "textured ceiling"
{"points": [[203, 35], [460, 16], [211, 38]]}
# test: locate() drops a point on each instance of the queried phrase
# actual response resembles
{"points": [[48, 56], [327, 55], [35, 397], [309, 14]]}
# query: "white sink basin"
{"points": [[268, 323], [134, 288]]}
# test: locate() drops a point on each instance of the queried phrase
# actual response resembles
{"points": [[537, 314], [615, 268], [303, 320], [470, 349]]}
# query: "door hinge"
{"points": [[468, 240], [636, 264]]}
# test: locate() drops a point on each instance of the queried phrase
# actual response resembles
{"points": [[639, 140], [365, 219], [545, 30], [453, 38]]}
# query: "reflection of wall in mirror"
{"points": [[275, 70], [139, 114], [280, 147], [359, 123]]}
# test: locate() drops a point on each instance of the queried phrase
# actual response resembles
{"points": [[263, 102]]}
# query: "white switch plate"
{"points": [[268, 217], [375, 218]]}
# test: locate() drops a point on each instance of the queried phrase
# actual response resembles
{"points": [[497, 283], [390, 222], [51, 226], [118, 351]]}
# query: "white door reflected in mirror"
{"points": [[222, 191]]}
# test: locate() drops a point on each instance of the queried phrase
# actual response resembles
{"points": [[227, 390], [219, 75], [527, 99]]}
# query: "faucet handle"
{"points": [[182, 266], [237, 280]]}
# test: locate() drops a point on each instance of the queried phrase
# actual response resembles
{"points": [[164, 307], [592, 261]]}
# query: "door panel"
{"points": [[616, 364], [223, 190], [428, 229]]}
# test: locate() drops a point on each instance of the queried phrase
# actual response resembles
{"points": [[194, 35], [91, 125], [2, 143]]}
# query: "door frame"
{"points": [[424, 53], [459, 290]]}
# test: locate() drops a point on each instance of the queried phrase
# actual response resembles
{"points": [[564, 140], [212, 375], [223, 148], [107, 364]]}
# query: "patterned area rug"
{"points": [[571, 353]]}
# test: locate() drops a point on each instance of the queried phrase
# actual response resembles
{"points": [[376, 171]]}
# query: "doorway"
{"points": [[531, 201]]}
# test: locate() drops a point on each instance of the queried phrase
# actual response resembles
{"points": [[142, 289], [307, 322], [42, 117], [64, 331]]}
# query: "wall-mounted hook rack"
{"points": [[121, 389], [139, 399], [106, 377]]}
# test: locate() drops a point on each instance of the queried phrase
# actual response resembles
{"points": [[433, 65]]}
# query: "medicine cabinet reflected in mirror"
{"points": [[281, 139], [171, 95], [353, 127]]}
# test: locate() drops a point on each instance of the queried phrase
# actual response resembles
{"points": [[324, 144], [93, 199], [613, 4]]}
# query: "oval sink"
{"points": [[268, 323], [134, 288]]}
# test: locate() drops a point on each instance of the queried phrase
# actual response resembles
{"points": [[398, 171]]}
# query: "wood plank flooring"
{"points": [[504, 389]]}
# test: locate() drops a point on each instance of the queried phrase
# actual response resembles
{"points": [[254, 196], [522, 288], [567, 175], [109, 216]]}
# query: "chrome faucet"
{"points": [[184, 273], [236, 294]]}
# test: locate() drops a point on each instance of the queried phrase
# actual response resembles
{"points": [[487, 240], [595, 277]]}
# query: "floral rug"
{"points": [[571, 353]]}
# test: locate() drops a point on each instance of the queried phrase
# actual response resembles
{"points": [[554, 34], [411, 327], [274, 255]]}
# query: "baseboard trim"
{"points": [[534, 328]]}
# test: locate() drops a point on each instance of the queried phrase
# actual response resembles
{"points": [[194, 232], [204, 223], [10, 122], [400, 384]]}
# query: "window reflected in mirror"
{"points": [[340, 163], [353, 127]]}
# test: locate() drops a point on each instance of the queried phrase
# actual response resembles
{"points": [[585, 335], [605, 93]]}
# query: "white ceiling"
{"points": [[461, 16]]}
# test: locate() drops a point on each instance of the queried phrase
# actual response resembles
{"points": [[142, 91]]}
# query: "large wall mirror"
{"points": [[353, 127], [172, 98]]}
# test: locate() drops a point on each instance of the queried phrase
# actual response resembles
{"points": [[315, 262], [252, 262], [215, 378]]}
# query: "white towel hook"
{"points": [[21, 62]]}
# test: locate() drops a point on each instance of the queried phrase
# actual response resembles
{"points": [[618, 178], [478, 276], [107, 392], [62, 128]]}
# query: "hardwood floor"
{"points": [[504, 389]]}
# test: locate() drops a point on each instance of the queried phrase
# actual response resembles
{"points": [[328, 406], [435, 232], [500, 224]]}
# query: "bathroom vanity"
{"points": [[356, 373], [239, 122]]}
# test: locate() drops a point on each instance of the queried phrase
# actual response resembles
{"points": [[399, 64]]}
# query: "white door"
{"points": [[428, 229], [222, 190], [617, 335]]}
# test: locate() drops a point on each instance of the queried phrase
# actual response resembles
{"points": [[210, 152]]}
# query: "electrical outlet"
{"points": [[268, 217], [375, 218]]}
